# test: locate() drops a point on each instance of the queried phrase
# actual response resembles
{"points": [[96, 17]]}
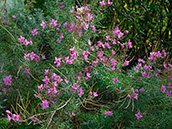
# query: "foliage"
{"points": [[64, 68]]}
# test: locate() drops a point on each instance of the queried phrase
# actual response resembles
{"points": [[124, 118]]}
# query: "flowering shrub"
{"points": [[82, 72]]}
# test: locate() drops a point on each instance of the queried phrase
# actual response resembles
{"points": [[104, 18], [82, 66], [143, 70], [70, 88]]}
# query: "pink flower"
{"points": [[75, 87], [4, 90], [33, 119], [115, 79], [5, 10], [57, 60], [71, 11], [58, 25], [102, 3], [126, 32], [61, 35], [71, 114], [90, 16], [8, 112], [80, 92], [34, 32], [13, 16], [16, 117], [53, 22], [142, 89], [129, 44], [168, 93], [92, 48], [46, 71], [116, 31], [141, 60], [8, 118], [57, 29], [36, 95], [59, 40], [163, 88], [45, 104], [170, 85], [138, 115], [62, 6], [7, 80], [43, 56], [170, 66], [30, 41], [65, 24], [100, 54], [46, 80], [88, 75], [37, 58], [95, 94], [145, 67], [67, 81], [136, 68], [21, 39], [27, 70], [43, 24], [53, 90], [54, 83], [107, 45], [135, 96], [93, 27], [126, 62], [136, 90], [120, 34], [113, 52], [32, 55], [89, 42], [108, 113], [40, 88], [110, 3]]}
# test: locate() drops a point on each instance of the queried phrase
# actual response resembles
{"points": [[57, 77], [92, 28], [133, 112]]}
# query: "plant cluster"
{"points": [[67, 71]]}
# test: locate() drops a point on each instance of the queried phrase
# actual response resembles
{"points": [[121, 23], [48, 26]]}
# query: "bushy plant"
{"points": [[68, 72]]}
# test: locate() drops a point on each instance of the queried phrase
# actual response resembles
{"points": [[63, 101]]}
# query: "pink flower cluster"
{"points": [[94, 94], [163, 89], [158, 54], [108, 113], [15, 117], [102, 3], [61, 5], [7, 80], [32, 56], [26, 42]]}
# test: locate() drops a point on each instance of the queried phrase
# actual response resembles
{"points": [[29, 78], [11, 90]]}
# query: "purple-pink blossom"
{"points": [[108, 113], [80, 92], [170, 85], [43, 24], [34, 32], [75, 87], [46, 80], [115, 79], [138, 115], [16, 117], [45, 104], [163, 88], [102, 3], [168, 93], [21, 39]]}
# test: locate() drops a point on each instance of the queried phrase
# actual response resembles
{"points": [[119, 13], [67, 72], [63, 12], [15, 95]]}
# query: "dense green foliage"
{"points": [[149, 28]]}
